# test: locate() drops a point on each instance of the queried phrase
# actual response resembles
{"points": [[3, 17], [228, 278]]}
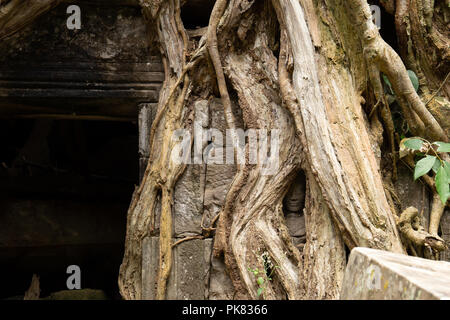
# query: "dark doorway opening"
{"points": [[387, 31], [196, 14], [65, 187]]}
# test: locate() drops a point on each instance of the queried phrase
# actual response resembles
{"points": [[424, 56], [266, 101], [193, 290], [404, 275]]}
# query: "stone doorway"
{"points": [[73, 104], [65, 188]]}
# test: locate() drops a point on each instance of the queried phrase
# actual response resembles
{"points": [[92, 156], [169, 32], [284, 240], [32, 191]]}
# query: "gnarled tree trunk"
{"points": [[309, 70]]}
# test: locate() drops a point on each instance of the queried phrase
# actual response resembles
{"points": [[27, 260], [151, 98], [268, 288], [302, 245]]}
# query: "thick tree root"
{"points": [[216, 14], [381, 56], [250, 221], [252, 210], [323, 260], [437, 208], [328, 157], [17, 14], [410, 228], [161, 173], [346, 200], [437, 211]]}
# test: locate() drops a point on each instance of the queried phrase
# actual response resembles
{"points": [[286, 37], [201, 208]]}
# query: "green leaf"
{"points": [[447, 169], [254, 271], [260, 291], [442, 185], [414, 79], [260, 281], [436, 165], [443, 146], [423, 166], [414, 144]]}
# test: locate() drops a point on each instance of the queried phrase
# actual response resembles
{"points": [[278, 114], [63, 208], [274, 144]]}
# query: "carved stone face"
{"points": [[293, 205], [294, 200]]}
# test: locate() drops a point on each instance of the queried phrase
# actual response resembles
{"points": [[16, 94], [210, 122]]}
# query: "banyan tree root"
{"points": [[382, 58], [410, 228], [251, 223], [362, 220], [422, 33], [436, 213], [161, 173], [351, 207], [315, 104], [16, 14], [324, 253], [437, 207]]}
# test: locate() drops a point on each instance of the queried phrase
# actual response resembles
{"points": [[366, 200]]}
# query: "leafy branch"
{"points": [[263, 276], [432, 155]]}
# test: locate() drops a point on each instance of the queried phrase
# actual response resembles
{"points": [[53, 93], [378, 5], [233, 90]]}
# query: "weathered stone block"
{"points": [[218, 177], [150, 258], [188, 202], [189, 190], [147, 113], [374, 274], [220, 285], [189, 277]]}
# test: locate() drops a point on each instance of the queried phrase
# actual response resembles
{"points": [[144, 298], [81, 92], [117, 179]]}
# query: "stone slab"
{"points": [[220, 285], [188, 202], [380, 275], [189, 277]]}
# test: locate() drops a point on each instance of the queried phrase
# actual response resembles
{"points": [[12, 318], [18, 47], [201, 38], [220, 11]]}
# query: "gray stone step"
{"points": [[374, 274]]}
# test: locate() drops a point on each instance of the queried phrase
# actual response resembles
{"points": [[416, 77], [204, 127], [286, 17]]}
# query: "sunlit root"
{"points": [[16, 14], [381, 56], [213, 49], [410, 228], [436, 214]]}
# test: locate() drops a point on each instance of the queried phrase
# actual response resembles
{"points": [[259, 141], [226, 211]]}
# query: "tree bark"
{"points": [[310, 86], [310, 69], [17, 14]]}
